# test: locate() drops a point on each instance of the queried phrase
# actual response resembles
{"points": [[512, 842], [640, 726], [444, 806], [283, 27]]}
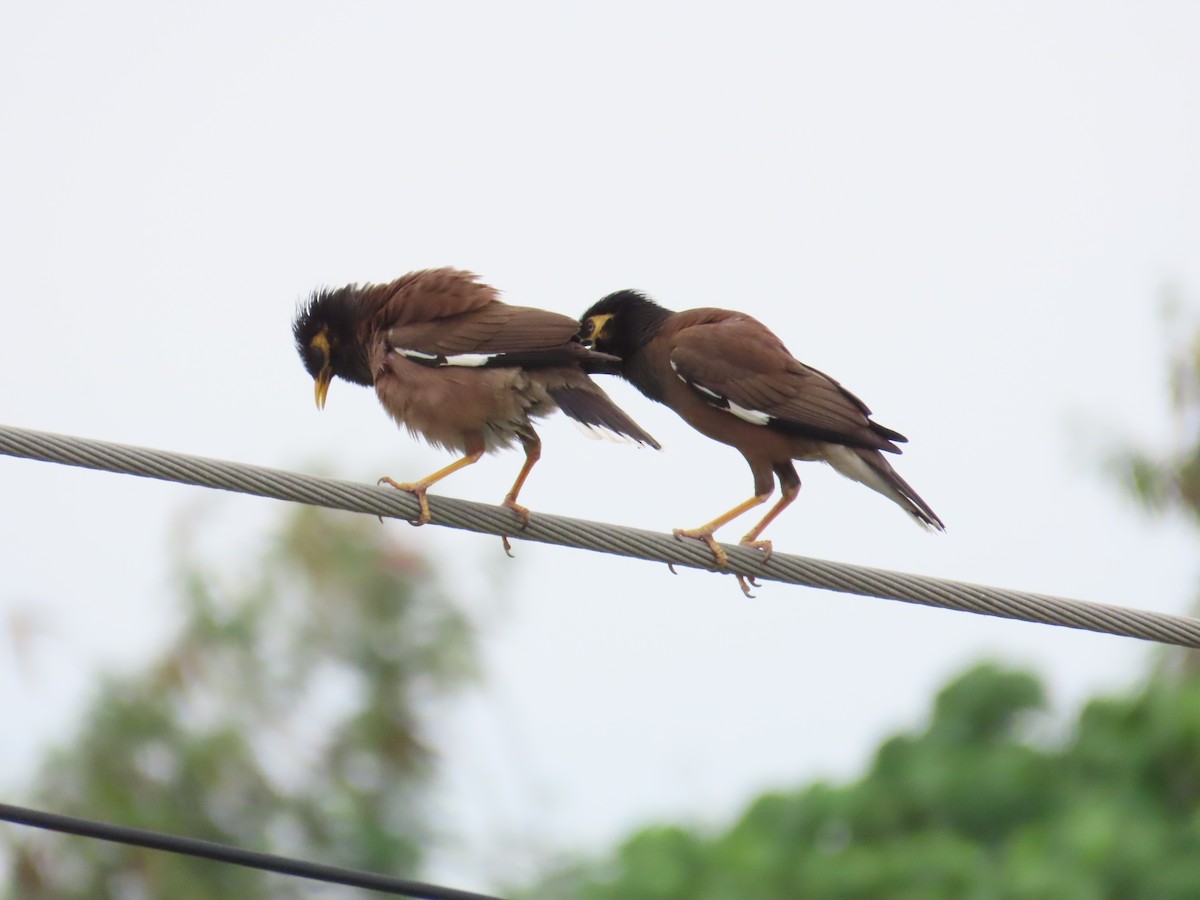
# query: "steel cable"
{"points": [[600, 537]]}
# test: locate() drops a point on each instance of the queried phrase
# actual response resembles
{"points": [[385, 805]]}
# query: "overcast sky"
{"points": [[967, 213]]}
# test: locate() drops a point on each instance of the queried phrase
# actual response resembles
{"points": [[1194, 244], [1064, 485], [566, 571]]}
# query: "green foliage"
{"points": [[970, 808], [285, 716], [1168, 481]]}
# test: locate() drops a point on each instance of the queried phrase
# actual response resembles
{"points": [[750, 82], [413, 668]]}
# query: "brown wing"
{"points": [[737, 364], [446, 317], [424, 296], [494, 328], [448, 311]]}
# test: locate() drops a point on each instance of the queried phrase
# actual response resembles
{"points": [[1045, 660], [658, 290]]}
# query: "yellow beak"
{"points": [[321, 385]]}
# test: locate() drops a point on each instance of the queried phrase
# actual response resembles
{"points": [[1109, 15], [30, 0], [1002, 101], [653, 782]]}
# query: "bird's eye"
{"points": [[588, 327], [319, 347], [313, 359]]}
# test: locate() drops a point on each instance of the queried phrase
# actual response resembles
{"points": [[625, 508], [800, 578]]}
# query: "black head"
{"points": [[621, 323], [327, 337]]}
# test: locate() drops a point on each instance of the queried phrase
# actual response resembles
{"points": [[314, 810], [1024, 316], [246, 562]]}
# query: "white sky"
{"points": [[964, 212]]}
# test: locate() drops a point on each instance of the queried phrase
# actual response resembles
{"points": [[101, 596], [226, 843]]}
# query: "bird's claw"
{"points": [[523, 513], [418, 491], [520, 510], [720, 557], [745, 582], [766, 546]]}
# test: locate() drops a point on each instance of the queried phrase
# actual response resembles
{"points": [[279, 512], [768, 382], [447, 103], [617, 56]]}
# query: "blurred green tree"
{"points": [[974, 807], [1166, 482], [286, 715]]}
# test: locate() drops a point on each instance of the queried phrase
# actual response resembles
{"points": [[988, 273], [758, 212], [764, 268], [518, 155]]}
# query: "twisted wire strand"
{"points": [[252, 859], [601, 537]]}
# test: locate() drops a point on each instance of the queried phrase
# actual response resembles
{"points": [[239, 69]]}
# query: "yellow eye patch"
{"points": [[598, 324]]}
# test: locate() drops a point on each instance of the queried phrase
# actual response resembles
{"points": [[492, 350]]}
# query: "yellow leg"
{"points": [[419, 488], [705, 532], [533, 452], [751, 538]]}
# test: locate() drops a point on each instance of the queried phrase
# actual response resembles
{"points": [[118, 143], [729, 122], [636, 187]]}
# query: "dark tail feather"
{"points": [[590, 406], [591, 361], [869, 467], [888, 435]]}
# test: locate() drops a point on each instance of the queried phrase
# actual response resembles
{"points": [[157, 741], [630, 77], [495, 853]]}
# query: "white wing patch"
{"points": [[470, 359], [753, 416], [467, 360]]}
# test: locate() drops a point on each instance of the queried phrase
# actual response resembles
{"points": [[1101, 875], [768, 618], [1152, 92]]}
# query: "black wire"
{"points": [[156, 840]]}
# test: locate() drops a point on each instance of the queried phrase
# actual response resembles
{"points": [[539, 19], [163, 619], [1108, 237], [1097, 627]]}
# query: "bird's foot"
{"points": [[511, 502], [766, 546], [418, 490], [745, 582], [706, 535]]}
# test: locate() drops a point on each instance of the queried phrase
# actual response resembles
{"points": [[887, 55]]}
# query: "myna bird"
{"points": [[453, 364], [732, 379]]}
